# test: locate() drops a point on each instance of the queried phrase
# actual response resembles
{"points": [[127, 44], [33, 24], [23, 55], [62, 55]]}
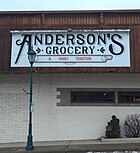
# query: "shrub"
{"points": [[113, 128], [132, 126]]}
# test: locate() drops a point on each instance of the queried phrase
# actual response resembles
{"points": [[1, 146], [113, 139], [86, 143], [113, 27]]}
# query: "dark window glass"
{"points": [[92, 96], [129, 97]]}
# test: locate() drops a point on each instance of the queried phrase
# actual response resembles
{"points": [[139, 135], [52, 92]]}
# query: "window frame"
{"points": [[64, 97]]}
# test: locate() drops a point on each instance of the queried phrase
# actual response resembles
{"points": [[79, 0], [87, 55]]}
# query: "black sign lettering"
{"points": [[37, 39], [70, 39], [80, 39], [55, 50], [90, 39], [77, 50], [102, 38], [59, 39], [62, 50], [48, 39], [111, 49], [26, 39], [48, 50], [70, 50]]}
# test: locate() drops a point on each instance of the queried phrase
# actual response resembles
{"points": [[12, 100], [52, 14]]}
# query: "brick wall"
{"points": [[13, 108]]}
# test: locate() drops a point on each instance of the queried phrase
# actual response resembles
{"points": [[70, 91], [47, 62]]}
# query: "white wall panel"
{"points": [[52, 122]]}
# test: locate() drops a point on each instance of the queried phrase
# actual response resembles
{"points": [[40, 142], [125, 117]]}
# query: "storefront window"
{"points": [[92, 96], [129, 97]]}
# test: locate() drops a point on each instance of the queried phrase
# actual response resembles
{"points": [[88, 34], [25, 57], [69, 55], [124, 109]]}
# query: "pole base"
{"points": [[29, 147], [30, 143]]}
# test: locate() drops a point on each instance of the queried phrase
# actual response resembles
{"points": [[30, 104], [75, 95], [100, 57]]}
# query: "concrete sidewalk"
{"points": [[74, 146]]}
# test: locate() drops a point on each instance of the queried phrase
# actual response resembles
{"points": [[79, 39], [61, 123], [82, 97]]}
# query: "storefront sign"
{"points": [[72, 48]]}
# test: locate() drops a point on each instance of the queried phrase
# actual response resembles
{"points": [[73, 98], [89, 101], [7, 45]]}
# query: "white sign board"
{"points": [[72, 48]]}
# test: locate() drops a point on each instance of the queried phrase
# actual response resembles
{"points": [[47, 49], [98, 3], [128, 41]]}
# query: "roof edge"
{"points": [[72, 11]]}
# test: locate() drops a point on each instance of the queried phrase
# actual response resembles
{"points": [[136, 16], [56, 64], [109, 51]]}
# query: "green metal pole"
{"points": [[30, 137]]}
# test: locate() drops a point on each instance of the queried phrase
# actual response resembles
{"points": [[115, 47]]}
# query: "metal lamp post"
{"points": [[31, 57]]}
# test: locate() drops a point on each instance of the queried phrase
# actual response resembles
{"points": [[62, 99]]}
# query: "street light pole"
{"points": [[31, 56]]}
